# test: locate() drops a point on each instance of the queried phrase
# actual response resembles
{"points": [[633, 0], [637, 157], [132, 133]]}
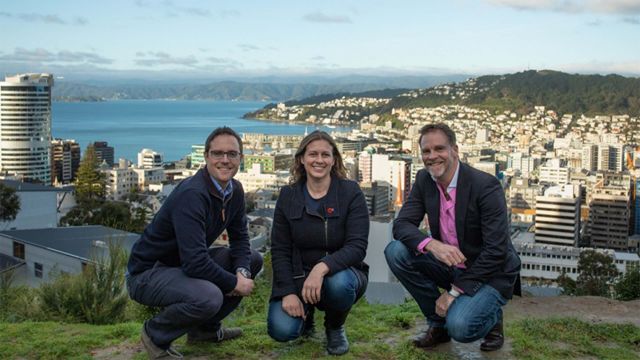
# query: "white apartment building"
{"points": [[590, 157], [554, 173], [558, 216], [120, 182], [524, 164], [364, 167], [148, 158], [25, 126], [254, 179], [148, 176], [395, 173], [543, 261], [610, 157]]}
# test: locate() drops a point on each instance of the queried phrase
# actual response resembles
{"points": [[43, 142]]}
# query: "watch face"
{"points": [[244, 272]]}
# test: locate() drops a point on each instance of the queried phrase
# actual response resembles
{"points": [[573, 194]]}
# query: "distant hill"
{"points": [[266, 89], [520, 92]]}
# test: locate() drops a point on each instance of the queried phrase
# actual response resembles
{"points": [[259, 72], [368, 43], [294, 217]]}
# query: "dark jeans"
{"points": [[339, 292], [469, 318], [189, 304]]}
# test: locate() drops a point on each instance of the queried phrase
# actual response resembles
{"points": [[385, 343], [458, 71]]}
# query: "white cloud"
{"points": [[324, 18], [620, 7]]}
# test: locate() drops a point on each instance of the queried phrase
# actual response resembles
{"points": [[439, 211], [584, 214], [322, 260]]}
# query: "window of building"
{"points": [[37, 270], [18, 250]]}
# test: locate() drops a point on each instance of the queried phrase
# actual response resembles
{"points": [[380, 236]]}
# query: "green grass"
{"points": [[566, 338], [374, 331]]}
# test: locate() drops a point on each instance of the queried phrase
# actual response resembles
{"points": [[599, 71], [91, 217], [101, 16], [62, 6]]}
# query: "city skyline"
{"points": [[190, 39]]}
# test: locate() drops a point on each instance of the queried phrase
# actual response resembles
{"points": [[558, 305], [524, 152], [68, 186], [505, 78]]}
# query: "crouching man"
{"points": [[171, 265], [468, 252]]}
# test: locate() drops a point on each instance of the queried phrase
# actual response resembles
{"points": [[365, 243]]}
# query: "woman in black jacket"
{"points": [[318, 244]]}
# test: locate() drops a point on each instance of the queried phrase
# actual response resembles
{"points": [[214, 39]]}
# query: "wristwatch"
{"points": [[244, 272], [453, 292]]}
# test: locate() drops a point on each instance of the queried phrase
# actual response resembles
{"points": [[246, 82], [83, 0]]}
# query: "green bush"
{"points": [[17, 303], [95, 296]]}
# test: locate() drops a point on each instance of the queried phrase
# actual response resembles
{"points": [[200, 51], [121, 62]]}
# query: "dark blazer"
{"points": [[301, 238], [188, 222], [481, 226]]}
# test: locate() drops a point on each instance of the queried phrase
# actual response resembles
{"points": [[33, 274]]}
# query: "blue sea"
{"points": [[168, 127]]}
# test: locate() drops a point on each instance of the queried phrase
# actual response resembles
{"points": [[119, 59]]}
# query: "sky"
{"points": [[244, 39]]}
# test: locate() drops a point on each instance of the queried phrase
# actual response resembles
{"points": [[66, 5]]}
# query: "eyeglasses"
{"points": [[218, 154]]}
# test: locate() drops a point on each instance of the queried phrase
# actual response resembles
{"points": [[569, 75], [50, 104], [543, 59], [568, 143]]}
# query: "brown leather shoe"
{"points": [[432, 337], [494, 339]]}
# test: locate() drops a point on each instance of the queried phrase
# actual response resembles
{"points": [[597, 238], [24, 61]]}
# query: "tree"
{"points": [[567, 284], [9, 203], [628, 287], [596, 272], [90, 183]]}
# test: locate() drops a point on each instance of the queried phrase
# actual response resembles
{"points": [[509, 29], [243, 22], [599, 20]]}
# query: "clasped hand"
{"points": [[244, 287]]}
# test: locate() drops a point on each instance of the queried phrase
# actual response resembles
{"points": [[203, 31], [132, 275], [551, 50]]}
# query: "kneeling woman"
{"points": [[318, 244]]}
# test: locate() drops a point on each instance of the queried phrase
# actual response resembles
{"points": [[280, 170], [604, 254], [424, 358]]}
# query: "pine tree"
{"points": [[90, 183]]}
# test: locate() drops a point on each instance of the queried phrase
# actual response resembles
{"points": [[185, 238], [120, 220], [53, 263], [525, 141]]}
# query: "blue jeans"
{"points": [[469, 318], [339, 292], [189, 304]]}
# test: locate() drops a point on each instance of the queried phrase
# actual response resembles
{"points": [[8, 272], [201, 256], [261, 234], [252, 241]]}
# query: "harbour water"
{"points": [[168, 127]]}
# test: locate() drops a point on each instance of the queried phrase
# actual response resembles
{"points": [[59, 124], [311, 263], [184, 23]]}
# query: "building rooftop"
{"points": [[78, 241], [25, 186]]}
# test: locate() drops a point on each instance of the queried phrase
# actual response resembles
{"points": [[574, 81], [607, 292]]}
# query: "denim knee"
{"points": [[280, 326], [463, 330], [340, 290], [395, 253]]}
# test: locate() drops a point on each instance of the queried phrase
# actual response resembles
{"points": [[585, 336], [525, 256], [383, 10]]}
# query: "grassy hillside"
{"points": [[375, 332]]}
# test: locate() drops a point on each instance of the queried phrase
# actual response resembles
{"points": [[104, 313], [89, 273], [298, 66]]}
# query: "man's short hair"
{"points": [[224, 130], [451, 136]]}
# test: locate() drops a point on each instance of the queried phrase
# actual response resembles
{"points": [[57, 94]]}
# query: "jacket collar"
{"points": [[211, 188], [331, 209]]}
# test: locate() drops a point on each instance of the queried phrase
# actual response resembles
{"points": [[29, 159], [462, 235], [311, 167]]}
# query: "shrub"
{"points": [[95, 296]]}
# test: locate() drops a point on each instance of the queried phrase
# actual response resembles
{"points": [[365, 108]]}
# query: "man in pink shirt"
{"points": [[467, 250]]}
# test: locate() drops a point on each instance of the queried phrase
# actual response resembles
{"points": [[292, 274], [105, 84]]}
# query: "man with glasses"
{"points": [[171, 265]]}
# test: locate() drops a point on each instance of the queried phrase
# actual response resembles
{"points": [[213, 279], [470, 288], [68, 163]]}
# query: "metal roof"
{"points": [[77, 241]]}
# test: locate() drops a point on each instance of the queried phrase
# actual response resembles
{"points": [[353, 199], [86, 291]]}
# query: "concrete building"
{"points": [[558, 216], [377, 197], [255, 179], [197, 156], [590, 157], [36, 252], [547, 262], [120, 181], [104, 152], [394, 172], [39, 205], [148, 158], [364, 167], [610, 157], [270, 162], [554, 172], [383, 287], [522, 164], [147, 176], [25, 126], [610, 212], [521, 197], [66, 160]]}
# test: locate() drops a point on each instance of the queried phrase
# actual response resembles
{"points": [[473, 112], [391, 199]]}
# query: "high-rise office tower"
{"points": [[558, 216], [104, 152], [25, 126], [66, 160]]}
